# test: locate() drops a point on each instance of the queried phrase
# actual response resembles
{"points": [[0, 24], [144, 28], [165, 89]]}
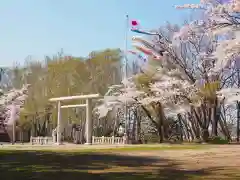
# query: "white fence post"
{"points": [[113, 138], [41, 140], [109, 140]]}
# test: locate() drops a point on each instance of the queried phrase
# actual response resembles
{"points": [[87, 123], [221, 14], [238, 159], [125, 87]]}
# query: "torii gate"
{"points": [[88, 105]]}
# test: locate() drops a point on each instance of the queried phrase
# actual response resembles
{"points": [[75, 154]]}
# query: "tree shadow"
{"points": [[75, 165]]}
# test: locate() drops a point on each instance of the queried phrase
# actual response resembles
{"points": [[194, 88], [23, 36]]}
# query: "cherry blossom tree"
{"points": [[222, 21], [192, 70]]}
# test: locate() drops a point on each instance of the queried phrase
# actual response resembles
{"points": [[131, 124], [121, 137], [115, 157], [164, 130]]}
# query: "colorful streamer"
{"points": [[148, 44], [144, 42], [138, 55], [144, 50], [143, 32], [136, 28], [147, 52], [133, 52]]}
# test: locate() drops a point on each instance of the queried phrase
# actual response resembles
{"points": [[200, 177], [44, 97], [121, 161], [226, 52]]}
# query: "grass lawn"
{"points": [[107, 148], [136, 162]]}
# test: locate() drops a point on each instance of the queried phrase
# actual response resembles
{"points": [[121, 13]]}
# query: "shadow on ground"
{"points": [[70, 166]]}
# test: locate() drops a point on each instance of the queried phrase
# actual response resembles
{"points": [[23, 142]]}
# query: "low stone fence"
{"points": [[109, 140], [41, 140]]}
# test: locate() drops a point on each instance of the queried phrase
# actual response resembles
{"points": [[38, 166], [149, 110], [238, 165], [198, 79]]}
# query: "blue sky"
{"points": [[43, 27]]}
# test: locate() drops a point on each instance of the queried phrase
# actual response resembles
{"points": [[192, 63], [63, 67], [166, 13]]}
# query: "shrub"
{"points": [[218, 140]]}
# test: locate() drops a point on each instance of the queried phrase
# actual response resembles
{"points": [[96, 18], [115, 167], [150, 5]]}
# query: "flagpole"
{"points": [[126, 44], [125, 75]]}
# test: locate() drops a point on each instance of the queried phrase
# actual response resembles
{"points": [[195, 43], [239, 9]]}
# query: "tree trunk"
{"points": [[215, 118], [188, 129], [224, 127], [205, 135], [238, 109], [14, 132], [138, 128], [160, 117], [181, 126], [238, 121], [160, 134]]}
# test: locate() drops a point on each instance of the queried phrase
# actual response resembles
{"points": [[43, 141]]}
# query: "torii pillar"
{"points": [[59, 130], [89, 122]]}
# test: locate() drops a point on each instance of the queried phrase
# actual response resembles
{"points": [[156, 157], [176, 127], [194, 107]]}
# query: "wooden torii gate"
{"points": [[88, 105]]}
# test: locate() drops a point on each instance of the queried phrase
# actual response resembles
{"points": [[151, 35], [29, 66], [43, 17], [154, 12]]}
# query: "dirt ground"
{"points": [[216, 162], [219, 162]]}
